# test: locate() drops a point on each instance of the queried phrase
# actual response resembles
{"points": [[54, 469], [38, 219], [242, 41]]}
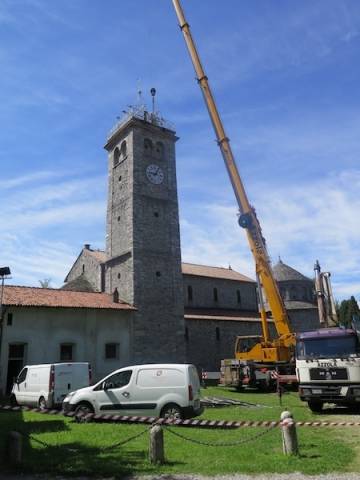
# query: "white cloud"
{"points": [[29, 178], [35, 209], [302, 223], [31, 260]]}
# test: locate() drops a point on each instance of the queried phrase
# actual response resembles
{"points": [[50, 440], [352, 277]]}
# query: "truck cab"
{"points": [[328, 367]]}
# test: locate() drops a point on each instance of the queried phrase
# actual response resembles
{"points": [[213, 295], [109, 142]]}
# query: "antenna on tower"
{"points": [[139, 92], [153, 93]]}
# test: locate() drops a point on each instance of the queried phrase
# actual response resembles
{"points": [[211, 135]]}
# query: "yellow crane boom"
{"points": [[247, 218]]}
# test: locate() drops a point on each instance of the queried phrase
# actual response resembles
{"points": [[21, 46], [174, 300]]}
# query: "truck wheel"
{"points": [[315, 406], [171, 411], [42, 403]]}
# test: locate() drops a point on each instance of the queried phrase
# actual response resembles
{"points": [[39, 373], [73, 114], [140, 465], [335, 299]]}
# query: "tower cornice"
{"points": [[147, 122]]}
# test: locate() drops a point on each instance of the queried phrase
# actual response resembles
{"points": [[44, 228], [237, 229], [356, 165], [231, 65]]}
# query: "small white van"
{"points": [[47, 385], [165, 390]]}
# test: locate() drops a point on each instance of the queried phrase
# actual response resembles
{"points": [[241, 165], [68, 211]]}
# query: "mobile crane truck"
{"points": [[256, 357]]}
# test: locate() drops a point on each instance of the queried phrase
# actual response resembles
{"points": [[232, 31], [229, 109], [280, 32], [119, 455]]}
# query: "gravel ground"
{"points": [[272, 476]]}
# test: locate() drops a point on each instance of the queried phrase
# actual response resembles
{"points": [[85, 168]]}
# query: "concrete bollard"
{"points": [[14, 448], [289, 436], [156, 447]]}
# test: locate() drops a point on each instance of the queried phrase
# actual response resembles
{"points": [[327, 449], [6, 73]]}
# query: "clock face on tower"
{"points": [[155, 174]]}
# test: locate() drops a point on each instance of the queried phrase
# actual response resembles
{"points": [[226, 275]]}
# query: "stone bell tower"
{"points": [[143, 238]]}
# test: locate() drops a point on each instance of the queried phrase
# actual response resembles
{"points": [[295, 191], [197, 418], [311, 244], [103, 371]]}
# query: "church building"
{"points": [[136, 302]]}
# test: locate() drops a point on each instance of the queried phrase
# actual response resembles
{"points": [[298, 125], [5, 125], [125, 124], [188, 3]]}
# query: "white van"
{"points": [[166, 390], [47, 385]]}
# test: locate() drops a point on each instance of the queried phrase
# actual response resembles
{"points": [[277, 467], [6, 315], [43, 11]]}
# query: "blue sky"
{"points": [[286, 79]]}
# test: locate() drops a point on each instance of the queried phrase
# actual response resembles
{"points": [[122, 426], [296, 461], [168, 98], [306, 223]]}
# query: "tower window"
{"points": [[216, 298], [238, 296], [123, 150], [118, 219], [116, 157], [190, 293], [83, 268], [119, 275], [159, 149], [217, 333], [148, 146], [9, 319], [158, 274], [120, 178], [156, 214]]}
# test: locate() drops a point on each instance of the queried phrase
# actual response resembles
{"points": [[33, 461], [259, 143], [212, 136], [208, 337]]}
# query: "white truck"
{"points": [[47, 385], [328, 367]]}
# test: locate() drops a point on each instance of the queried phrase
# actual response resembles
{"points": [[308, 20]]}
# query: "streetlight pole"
{"points": [[4, 272]]}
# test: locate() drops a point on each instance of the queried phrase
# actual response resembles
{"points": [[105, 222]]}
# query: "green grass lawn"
{"points": [[75, 449]]}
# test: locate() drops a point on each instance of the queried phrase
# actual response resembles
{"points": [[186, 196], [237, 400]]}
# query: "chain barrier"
{"points": [[220, 444], [102, 449]]}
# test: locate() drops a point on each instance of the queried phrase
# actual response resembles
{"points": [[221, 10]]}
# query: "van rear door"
{"points": [[194, 387], [69, 377]]}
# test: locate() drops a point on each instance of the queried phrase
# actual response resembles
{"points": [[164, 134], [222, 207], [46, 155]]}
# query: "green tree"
{"points": [[346, 310], [45, 283]]}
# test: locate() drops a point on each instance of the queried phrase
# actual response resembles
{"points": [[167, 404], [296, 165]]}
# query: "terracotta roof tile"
{"points": [[214, 272], [51, 297]]}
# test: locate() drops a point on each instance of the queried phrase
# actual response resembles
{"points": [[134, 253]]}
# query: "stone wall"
{"points": [[303, 320], [206, 348], [227, 293], [89, 266]]}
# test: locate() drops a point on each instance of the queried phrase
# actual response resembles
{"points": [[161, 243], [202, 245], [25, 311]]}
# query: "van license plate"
{"points": [[316, 391]]}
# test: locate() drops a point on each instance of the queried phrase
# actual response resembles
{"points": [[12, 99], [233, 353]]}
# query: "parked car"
{"points": [[47, 385], [166, 390]]}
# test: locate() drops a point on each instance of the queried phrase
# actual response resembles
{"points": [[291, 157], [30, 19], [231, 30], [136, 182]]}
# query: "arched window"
{"points": [[216, 298], [123, 150], [304, 293], [190, 293], [148, 146], [116, 157], [159, 150], [186, 334], [217, 333], [238, 296]]}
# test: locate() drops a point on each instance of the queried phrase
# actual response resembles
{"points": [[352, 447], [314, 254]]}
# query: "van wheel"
{"points": [[171, 411], [42, 403], [82, 410]]}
